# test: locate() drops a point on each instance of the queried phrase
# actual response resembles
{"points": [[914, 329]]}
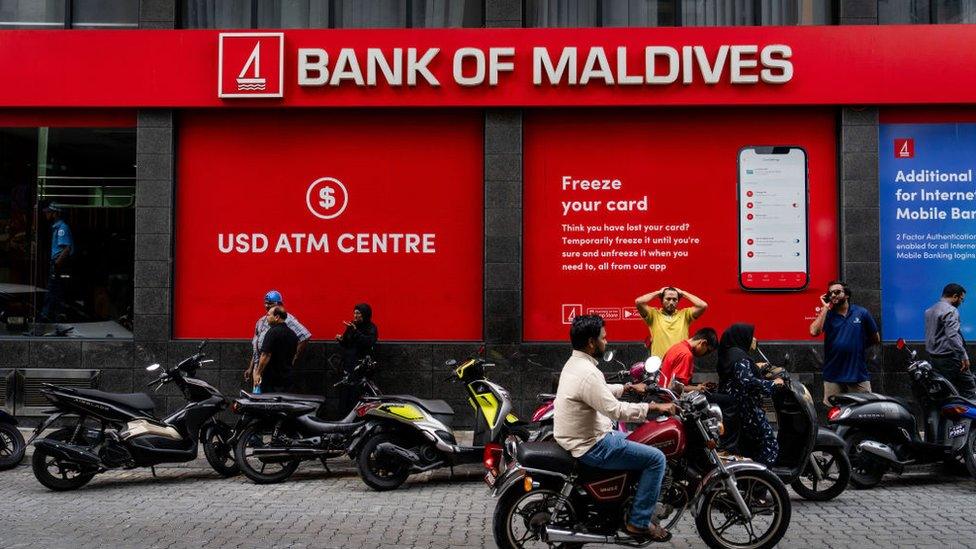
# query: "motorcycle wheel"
{"points": [[54, 473], [520, 516], [381, 473], [258, 435], [12, 446], [969, 452], [768, 501], [865, 472], [836, 471], [218, 450]]}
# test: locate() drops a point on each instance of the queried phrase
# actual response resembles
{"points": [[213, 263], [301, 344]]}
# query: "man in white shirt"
{"points": [[584, 406]]}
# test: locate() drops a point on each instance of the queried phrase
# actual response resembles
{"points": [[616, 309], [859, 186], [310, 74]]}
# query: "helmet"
{"points": [[273, 296]]}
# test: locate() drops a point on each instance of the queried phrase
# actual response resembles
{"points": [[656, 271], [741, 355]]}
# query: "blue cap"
{"points": [[274, 296]]}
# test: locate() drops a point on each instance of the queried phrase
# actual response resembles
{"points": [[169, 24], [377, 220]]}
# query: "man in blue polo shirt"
{"points": [[849, 330], [59, 273]]}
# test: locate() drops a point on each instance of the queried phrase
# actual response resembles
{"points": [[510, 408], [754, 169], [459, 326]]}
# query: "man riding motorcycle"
{"points": [[584, 407]]}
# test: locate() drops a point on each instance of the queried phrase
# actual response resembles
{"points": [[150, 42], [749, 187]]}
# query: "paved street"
{"points": [[190, 506]]}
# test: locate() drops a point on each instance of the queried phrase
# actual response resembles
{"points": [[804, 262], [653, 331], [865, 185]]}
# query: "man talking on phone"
{"points": [[849, 331]]}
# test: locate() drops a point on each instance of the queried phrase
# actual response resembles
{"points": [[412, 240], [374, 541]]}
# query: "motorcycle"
{"points": [[812, 459], [881, 432], [548, 496], [128, 435], [280, 430], [404, 434], [543, 416], [12, 445]]}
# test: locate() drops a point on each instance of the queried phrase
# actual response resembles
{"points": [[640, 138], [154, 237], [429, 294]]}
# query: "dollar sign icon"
{"points": [[326, 200]]}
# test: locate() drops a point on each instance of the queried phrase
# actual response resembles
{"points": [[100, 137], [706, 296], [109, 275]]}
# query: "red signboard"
{"points": [[619, 203], [331, 209], [814, 65]]}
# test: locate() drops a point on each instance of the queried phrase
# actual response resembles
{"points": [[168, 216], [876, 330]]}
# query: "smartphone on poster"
{"points": [[773, 220]]}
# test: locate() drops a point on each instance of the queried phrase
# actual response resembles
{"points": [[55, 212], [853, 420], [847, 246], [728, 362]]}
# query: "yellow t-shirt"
{"points": [[667, 330]]}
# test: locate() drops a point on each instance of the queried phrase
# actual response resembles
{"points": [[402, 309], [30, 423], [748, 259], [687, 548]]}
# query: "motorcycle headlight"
{"points": [[715, 412]]}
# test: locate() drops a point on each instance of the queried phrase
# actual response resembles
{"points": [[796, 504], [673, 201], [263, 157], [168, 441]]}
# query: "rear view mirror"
{"points": [[152, 367], [900, 344], [451, 363], [607, 356], [652, 365]]}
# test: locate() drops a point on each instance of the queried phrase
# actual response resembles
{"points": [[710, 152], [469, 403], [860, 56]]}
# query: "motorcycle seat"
{"points": [[438, 407], [863, 398], [284, 396], [548, 456], [139, 401], [334, 427]]}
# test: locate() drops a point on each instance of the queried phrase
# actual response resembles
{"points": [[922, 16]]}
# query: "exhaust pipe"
{"points": [[883, 452], [390, 449], [69, 452], [286, 452], [555, 535]]}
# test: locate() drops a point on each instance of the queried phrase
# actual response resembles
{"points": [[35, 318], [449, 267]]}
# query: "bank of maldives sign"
{"points": [[251, 65]]}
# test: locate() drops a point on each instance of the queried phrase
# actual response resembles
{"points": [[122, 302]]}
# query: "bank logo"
{"points": [[571, 311], [905, 148], [251, 64], [326, 198]]}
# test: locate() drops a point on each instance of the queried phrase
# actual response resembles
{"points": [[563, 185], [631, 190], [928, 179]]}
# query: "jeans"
{"points": [[615, 452], [963, 381]]}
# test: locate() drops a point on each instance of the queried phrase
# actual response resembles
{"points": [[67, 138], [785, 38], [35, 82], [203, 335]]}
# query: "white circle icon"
{"points": [[326, 198]]}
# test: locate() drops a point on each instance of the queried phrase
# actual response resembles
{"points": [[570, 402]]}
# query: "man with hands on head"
{"points": [[668, 324], [586, 404]]}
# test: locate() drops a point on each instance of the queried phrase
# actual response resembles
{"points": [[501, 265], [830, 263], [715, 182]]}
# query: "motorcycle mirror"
{"points": [[607, 355], [900, 344], [652, 365], [451, 363], [152, 367], [202, 345]]}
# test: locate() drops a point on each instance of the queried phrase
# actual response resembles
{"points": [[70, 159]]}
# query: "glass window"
{"points": [[688, 13], [31, 14], [353, 14], [67, 231], [954, 11], [104, 14], [902, 12]]}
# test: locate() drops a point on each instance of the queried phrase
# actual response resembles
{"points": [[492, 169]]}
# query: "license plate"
{"points": [[491, 478], [957, 431]]}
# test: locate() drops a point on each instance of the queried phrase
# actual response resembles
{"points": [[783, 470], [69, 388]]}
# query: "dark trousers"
{"points": [[964, 382], [54, 298]]}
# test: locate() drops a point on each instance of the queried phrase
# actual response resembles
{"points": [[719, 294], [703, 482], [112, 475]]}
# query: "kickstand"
{"points": [[452, 472], [326, 465], [153, 469]]}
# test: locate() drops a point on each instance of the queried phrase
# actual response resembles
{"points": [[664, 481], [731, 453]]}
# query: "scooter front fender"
{"points": [[829, 439]]}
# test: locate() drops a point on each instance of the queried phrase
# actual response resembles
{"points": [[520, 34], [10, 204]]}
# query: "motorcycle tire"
{"points": [[12, 446], [41, 463], [506, 507], [969, 452], [835, 456], [218, 450], [775, 492], [249, 435], [864, 475], [374, 471]]}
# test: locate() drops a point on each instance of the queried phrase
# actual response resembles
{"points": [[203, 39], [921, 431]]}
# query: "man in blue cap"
{"points": [[273, 299], [59, 275]]}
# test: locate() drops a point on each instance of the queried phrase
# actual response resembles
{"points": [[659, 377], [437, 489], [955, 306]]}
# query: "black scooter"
{"points": [[127, 433], [277, 431], [12, 443], [881, 432]]}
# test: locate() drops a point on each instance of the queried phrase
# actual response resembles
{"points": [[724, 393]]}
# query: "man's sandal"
{"points": [[653, 532]]}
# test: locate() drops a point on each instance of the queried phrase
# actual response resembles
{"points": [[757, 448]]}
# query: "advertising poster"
{"points": [[332, 209], [928, 221], [618, 204]]}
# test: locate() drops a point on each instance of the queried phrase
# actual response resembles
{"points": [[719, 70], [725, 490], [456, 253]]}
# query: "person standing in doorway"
{"points": [[272, 374], [59, 274], [668, 325], [944, 341], [273, 299], [849, 331]]}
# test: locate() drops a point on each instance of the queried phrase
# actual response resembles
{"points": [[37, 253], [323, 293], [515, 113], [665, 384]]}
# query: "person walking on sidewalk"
{"points": [[944, 341]]}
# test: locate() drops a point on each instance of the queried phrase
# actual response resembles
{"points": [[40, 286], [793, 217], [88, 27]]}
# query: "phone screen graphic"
{"points": [[772, 200]]}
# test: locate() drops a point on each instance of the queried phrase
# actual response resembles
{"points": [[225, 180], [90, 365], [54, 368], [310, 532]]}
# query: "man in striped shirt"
{"points": [[272, 299]]}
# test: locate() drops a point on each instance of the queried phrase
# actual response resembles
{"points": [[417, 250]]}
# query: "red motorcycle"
{"points": [[548, 498]]}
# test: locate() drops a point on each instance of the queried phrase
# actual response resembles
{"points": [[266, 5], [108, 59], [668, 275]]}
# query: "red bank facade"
{"points": [[473, 185]]}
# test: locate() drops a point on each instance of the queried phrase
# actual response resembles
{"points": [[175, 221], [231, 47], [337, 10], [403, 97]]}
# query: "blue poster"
{"points": [[928, 222]]}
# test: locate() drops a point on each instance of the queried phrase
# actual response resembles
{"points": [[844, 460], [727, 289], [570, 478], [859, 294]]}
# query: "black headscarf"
{"points": [[358, 341], [733, 347], [367, 312]]}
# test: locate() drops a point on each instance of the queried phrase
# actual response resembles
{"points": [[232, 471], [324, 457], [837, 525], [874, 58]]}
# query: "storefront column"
{"points": [[154, 226], [503, 226]]}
